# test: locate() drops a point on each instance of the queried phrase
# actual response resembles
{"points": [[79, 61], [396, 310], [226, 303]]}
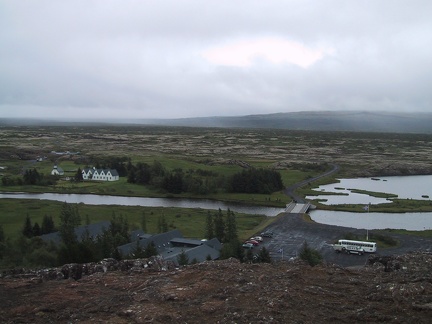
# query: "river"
{"points": [[407, 187], [147, 202]]}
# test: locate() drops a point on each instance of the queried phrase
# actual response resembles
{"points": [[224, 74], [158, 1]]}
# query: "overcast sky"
{"points": [[173, 59]]}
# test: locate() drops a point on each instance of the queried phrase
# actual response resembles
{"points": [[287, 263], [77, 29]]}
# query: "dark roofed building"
{"points": [[198, 253], [184, 242], [161, 241], [138, 235], [170, 244], [92, 229]]}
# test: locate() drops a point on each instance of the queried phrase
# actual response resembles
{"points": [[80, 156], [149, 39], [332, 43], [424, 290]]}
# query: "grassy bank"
{"points": [[123, 188], [396, 206], [191, 222]]}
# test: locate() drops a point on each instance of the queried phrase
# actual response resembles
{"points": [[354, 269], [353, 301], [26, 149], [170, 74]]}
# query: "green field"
{"points": [[191, 222], [297, 155]]}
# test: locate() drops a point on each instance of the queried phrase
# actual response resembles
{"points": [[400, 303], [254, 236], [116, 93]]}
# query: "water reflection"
{"points": [[406, 187], [408, 221], [147, 202]]}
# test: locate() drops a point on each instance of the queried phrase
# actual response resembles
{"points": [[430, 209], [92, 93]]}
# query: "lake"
{"points": [[406, 187], [408, 221]]}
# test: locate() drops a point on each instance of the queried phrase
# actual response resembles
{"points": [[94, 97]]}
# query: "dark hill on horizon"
{"points": [[356, 121]]}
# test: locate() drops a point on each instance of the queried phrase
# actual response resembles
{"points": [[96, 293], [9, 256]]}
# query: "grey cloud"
{"points": [[143, 58]]}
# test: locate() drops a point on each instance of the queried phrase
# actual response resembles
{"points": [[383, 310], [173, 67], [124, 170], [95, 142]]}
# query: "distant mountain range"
{"points": [[356, 121]]}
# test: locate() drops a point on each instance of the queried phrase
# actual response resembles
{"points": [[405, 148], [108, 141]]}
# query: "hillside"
{"points": [[391, 289], [356, 121]]}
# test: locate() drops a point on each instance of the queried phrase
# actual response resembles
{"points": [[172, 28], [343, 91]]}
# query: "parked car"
{"points": [[267, 234], [256, 238], [254, 243], [248, 246]]}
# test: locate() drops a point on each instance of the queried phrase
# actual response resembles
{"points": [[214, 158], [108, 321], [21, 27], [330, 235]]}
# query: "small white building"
{"points": [[100, 174], [57, 170]]}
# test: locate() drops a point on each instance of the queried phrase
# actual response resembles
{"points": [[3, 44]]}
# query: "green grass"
{"points": [[191, 222], [396, 206], [425, 233], [123, 188], [374, 193], [247, 233], [291, 177]]}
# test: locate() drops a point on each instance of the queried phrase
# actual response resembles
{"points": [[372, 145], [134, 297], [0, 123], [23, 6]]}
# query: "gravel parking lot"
{"points": [[290, 232]]}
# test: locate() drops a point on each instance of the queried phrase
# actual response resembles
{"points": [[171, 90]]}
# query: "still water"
{"points": [[406, 187], [147, 202], [408, 221]]}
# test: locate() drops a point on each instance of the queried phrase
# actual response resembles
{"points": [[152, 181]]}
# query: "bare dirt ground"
{"points": [[393, 285], [229, 292]]}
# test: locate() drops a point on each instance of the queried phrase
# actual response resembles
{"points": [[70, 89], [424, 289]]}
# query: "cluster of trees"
{"points": [[89, 249], [30, 177], [175, 181], [310, 167], [224, 228], [30, 230], [31, 251], [141, 253], [252, 180], [121, 164], [310, 255]]}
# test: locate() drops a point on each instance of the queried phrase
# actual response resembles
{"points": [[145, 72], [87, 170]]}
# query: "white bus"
{"points": [[355, 246]]}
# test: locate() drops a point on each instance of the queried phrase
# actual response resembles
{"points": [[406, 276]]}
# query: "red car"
{"points": [[255, 243]]}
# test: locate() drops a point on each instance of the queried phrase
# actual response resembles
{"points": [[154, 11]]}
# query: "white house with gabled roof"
{"points": [[100, 174], [57, 170]]}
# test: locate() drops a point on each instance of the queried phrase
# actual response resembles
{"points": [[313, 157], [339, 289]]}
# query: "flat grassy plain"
{"points": [[298, 155], [190, 221]]}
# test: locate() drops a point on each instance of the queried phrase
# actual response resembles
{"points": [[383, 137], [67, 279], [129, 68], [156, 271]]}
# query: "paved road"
{"points": [[291, 231], [289, 191]]}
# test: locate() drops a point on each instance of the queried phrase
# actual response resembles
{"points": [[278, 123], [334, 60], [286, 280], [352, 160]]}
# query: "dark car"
{"points": [[267, 234], [248, 246]]}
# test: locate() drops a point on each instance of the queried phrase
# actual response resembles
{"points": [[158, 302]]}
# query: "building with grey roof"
{"points": [[169, 244], [92, 230]]}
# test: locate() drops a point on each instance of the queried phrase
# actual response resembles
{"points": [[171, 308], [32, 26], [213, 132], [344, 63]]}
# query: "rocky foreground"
{"points": [[388, 289]]}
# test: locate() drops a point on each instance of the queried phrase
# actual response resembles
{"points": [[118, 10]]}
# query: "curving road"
{"points": [[290, 191]]}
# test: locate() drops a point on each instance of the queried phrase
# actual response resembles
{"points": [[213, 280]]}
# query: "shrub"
{"points": [[311, 256]]}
